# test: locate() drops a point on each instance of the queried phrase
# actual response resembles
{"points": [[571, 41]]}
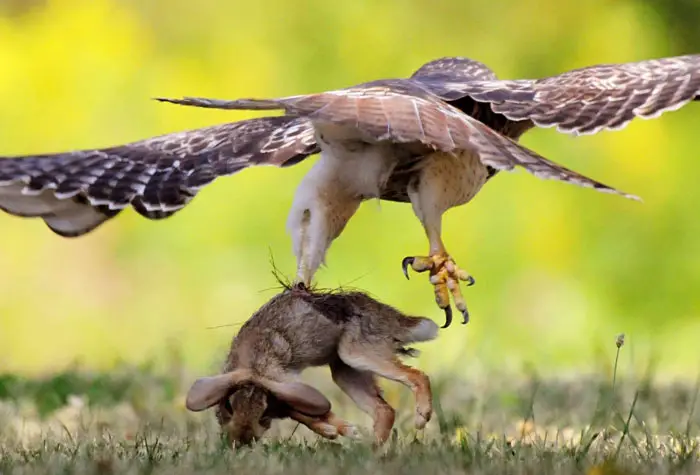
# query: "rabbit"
{"points": [[357, 336]]}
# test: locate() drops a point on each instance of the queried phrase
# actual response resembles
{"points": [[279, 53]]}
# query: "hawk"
{"points": [[432, 139]]}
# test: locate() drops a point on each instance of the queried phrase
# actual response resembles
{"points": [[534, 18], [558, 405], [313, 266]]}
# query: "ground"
{"points": [[134, 421]]}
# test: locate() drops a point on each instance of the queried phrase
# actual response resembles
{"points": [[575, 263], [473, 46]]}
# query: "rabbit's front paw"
{"points": [[326, 430], [351, 432]]}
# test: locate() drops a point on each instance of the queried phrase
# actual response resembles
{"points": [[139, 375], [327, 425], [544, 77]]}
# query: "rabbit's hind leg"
{"points": [[385, 363], [362, 388]]}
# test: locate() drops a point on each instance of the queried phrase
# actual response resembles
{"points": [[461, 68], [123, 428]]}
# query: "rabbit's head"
{"points": [[243, 414], [248, 403]]}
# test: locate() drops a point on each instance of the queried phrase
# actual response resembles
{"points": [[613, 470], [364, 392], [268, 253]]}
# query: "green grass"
{"points": [[132, 420]]}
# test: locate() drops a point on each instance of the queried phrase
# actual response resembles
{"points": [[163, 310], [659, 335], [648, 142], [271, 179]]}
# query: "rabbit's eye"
{"points": [[265, 422]]}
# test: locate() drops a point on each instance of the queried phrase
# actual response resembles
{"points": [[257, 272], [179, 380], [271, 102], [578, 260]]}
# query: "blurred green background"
{"points": [[560, 270]]}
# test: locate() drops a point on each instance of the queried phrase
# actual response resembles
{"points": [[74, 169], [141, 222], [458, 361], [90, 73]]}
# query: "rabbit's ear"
{"points": [[208, 391], [302, 397]]}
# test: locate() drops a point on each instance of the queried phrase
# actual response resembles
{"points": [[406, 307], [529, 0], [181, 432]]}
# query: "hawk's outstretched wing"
{"points": [[75, 192], [402, 111], [585, 100]]}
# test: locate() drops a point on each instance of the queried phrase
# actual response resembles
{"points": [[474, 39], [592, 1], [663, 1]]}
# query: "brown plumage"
{"points": [[585, 100], [75, 192], [433, 139], [357, 336]]}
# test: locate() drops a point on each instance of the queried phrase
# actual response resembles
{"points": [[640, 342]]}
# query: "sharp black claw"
{"points": [[448, 317], [470, 281], [465, 315], [407, 261]]}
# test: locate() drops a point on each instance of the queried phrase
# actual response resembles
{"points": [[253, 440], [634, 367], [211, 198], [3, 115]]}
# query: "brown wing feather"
{"points": [[448, 77], [591, 99], [403, 112], [455, 68], [77, 191]]}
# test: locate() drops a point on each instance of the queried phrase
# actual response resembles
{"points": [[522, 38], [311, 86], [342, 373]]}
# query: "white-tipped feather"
{"points": [[14, 201], [75, 220]]}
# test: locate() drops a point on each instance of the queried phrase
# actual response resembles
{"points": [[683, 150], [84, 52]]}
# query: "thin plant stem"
{"points": [[617, 357]]}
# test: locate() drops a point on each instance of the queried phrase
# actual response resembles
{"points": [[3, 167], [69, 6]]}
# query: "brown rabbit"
{"points": [[357, 336]]}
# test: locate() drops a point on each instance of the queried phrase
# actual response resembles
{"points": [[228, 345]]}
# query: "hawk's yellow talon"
{"points": [[445, 276], [448, 317], [464, 276]]}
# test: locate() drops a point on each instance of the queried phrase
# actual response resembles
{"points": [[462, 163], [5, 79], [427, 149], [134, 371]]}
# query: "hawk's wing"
{"points": [[77, 191], [402, 111], [586, 100], [455, 68]]}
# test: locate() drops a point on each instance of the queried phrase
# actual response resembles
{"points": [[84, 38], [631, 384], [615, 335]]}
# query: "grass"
{"points": [[133, 420]]}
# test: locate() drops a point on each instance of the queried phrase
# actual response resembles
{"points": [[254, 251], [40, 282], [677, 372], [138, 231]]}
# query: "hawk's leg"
{"points": [[321, 209], [444, 181], [445, 276]]}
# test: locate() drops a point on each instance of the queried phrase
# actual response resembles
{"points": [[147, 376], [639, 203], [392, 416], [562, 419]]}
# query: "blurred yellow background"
{"points": [[560, 270]]}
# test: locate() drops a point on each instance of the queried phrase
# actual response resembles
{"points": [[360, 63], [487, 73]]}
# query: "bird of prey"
{"points": [[432, 139]]}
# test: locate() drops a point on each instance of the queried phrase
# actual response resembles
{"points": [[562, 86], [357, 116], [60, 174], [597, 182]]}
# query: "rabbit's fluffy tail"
{"points": [[418, 329]]}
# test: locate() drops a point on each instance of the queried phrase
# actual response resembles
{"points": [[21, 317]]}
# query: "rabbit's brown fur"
{"points": [[354, 334]]}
